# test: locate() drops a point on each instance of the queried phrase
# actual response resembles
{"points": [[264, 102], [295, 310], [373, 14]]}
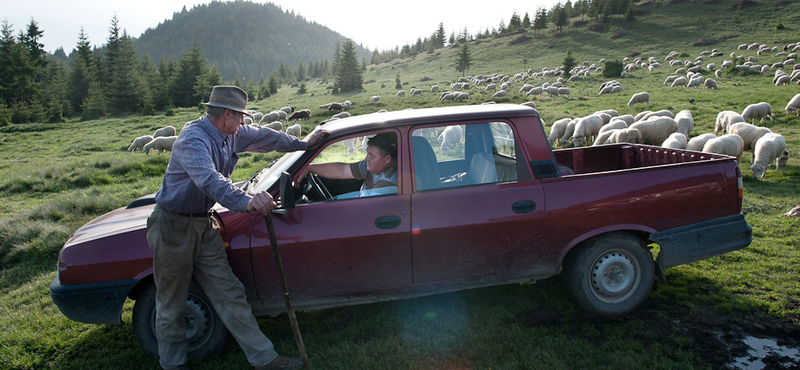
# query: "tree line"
{"points": [[113, 80]]}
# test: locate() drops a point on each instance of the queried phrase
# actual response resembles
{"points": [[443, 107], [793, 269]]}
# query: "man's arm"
{"points": [[332, 170]]}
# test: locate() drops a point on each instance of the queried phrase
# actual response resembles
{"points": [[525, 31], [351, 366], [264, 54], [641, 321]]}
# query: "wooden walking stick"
{"points": [[298, 338]]}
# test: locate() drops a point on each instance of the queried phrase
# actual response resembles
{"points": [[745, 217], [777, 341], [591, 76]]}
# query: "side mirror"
{"points": [[286, 191]]}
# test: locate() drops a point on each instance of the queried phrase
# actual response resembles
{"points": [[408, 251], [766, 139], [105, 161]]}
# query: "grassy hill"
{"points": [[55, 177]]}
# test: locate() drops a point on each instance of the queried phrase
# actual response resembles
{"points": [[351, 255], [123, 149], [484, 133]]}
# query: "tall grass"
{"points": [[55, 177]]}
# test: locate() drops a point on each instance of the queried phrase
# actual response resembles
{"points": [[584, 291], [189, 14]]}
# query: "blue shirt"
{"points": [[202, 160]]}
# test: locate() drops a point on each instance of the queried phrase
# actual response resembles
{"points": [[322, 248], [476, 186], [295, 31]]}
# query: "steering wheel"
{"points": [[318, 187]]}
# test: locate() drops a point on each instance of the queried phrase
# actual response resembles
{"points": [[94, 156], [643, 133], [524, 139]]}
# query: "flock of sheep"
{"points": [[163, 139], [665, 129]]}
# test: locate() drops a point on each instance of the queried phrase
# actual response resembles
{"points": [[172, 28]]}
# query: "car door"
{"points": [[336, 247], [479, 218]]}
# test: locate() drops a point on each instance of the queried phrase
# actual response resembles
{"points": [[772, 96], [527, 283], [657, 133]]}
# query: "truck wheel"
{"points": [[205, 331], [610, 277]]}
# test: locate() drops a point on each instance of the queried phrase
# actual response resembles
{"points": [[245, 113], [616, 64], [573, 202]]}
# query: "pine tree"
{"points": [[439, 37], [81, 73], [125, 87], [273, 84], [463, 59], [526, 22], [568, 63], [190, 66], [540, 22], [349, 76]]}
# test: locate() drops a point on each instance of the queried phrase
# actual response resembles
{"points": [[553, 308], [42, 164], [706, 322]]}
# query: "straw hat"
{"points": [[231, 97]]}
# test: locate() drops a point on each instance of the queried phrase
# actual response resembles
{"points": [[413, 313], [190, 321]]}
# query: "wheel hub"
{"points": [[615, 276]]}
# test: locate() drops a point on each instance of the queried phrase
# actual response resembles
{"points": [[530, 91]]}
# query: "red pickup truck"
{"points": [[481, 200]]}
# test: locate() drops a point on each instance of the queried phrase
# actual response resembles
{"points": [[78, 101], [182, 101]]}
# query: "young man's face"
{"points": [[376, 162]]}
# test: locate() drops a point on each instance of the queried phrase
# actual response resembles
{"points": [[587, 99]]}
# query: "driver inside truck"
{"points": [[378, 169]]}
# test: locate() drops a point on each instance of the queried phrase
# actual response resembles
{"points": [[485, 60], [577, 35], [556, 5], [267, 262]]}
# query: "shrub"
{"points": [[597, 27], [519, 39], [633, 53], [613, 69], [741, 4], [780, 26], [580, 23], [616, 35], [705, 41]]}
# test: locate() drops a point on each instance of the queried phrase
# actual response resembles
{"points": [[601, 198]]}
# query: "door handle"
{"points": [[524, 206], [387, 222]]}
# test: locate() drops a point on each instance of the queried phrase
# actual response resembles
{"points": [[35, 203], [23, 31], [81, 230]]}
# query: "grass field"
{"points": [[55, 177]]}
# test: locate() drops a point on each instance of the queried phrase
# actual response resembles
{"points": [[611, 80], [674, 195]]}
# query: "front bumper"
{"points": [[96, 303], [702, 240]]}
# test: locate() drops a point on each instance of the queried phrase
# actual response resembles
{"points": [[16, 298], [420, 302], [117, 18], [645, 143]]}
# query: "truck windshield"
{"points": [[269, 176]]}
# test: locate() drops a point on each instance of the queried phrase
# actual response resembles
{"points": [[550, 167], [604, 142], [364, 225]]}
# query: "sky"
{"points": [[373, 24]]}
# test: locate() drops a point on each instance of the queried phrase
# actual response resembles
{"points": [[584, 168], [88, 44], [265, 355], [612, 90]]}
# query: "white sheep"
{"points": [[728, 144], [629, 119], [770, 147], [568, 133], [710, 84], [718, 74], [749, 133], [585, 128], [625, 135], [375, 99], [793, 105], [161, 144], [670, 80], [499, 94], [695, 82], [491, 86], [270, 117], [538, 90], [288, 109], [341, 115], [680, 81], [726, 118], [685, 122], [641, 97], [611, 112], [435, 88], [139, 142], [696, 143], [783, 80], [656, 129], [557, 130], [462, 96], [676, 140], [615, 124], [660, 113], [400, 93], [275, 125], [758, 110], [294, 130], [525, 88], [529, 104], [450, 137], [448, 96], [564, 91], [164, 131]]}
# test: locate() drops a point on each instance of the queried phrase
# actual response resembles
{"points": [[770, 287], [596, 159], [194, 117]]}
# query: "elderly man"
{"points": [[185, 240], [378, 169]]}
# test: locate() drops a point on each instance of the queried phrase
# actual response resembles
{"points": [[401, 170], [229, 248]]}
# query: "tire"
{"points": [[205, 331], [611, 276]]}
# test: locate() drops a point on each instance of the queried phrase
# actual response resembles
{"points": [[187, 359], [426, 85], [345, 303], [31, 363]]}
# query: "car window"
{"points": [[352, 151], [462, 155]]}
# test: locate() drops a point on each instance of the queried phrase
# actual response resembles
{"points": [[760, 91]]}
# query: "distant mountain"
{"points": [[243, 38]]}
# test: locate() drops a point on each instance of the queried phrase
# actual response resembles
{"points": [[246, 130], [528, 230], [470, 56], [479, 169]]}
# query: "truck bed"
{"points": [[605, 158]]}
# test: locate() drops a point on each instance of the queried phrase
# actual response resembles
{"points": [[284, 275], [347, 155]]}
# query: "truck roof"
{"points": [[426, 115]]}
